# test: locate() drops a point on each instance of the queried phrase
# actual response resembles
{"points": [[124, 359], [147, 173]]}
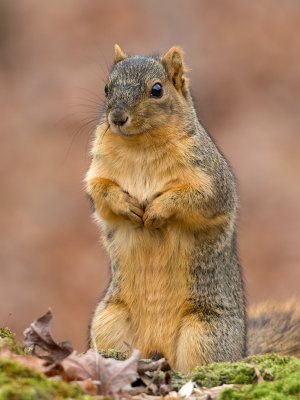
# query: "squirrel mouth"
{"points": [[121, 124], [118, 123], [118, 130], [122, 130]]}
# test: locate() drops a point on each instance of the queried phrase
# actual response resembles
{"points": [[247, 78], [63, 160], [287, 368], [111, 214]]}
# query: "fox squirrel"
{"points": [[165, 198]]}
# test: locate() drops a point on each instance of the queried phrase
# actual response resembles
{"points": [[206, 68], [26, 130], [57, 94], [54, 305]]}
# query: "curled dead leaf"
{"points": [[39, 335]]}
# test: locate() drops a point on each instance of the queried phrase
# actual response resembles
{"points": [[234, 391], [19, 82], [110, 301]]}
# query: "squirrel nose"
{"points": [[119, 118]]}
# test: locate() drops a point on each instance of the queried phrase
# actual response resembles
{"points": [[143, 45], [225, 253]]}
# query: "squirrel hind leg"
{"points": [[201, 342], [112, 328], [274, 328]]}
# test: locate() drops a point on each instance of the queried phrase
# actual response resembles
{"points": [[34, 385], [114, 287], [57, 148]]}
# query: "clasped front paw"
{"points": [[154, 216]]}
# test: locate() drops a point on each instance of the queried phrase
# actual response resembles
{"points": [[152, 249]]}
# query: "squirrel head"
{"points": [[144, 93]]}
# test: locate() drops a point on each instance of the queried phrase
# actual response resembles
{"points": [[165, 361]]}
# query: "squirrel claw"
{"points": [[137, 220], [153, 221]]}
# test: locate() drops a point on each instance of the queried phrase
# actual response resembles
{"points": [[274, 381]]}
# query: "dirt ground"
{"points": [[244, 64]]}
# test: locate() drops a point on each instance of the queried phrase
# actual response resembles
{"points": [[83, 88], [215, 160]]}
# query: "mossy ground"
{"points": [[18, 382], [281, 377], [280, 374]]}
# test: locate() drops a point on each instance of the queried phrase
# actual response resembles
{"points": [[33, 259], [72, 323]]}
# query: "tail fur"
{"points": [[274, 327]]}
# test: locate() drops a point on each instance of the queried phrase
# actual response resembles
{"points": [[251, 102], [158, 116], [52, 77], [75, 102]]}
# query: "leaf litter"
{"points": [[133, 378]]}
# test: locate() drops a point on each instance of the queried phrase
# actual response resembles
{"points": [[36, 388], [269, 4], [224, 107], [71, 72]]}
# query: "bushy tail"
{"points": [[274, 327]]}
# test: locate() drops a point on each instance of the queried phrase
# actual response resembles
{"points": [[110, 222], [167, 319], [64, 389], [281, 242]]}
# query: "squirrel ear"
{"points": [[173, 61], [119, 55]]}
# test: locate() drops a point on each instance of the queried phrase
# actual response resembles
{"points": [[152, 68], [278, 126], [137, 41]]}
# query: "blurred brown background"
{"points": [[54, 58]]}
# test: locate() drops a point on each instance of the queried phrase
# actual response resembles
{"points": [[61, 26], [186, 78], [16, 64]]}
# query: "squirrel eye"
{"points": [[106, 90], [157, 90]]}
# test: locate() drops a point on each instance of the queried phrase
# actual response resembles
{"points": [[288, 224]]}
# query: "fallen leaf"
{"points": [[29, 361], [114, 375], [81, 367], [165, 389], [186, 390], [39, 334]]}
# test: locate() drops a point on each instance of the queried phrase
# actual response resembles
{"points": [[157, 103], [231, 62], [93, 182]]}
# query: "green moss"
{"points": [[6, 333], [178, 379], [217, 374], [19, 382], [117, 355], [7, 339], [281, 376], [274, 366], [270, 366], [288, 388]]}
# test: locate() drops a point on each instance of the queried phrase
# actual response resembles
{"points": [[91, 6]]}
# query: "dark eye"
{"points": [[156, 91], [106, 90]]}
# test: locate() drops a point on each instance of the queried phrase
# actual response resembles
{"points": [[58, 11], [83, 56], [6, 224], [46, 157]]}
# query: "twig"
{"points": [[258, 374], [150, 366]]}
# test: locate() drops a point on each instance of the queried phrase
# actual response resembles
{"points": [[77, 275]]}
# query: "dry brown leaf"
{"points": [[39, 334], [165, 389], [114, 375], [81, 367], [29, 361]]}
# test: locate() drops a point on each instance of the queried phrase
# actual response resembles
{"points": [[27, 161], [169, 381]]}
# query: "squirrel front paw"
{"points": [[128, 207], [110, 200], [157, 213]]}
